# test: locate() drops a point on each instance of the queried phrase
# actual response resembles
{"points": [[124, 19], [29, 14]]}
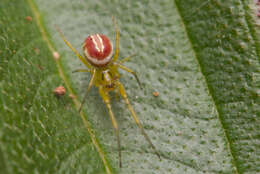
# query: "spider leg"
{"points": [[89, 87], [72, 48], [126, 59], [133, 114], [81, 70], [117, 93], [132, 72], [106, 99], [117, 40]]}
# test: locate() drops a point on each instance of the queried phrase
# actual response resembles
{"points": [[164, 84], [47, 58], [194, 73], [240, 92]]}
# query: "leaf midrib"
{"points": [[68, 86], [227, 139]]}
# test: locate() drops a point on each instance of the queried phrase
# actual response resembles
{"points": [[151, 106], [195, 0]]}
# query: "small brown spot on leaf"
{"points": [[28, 18], [155, 93], [37, 50], [59, 91], [56, 55], [40, 67]]}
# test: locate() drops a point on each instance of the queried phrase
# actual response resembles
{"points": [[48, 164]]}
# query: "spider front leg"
{"points": [[126, 59], [117, 40], [81, 70], [89, 87], [106, 99], [72, 48], [132, 72], [133, 114]]}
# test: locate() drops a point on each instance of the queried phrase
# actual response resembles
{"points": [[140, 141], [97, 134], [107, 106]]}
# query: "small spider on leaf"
{"points": [[103, 67]]}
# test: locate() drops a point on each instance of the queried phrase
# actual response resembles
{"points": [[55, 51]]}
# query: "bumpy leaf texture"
{"points": [[202, 57]]}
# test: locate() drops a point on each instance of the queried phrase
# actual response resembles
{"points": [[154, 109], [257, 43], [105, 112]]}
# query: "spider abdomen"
{"points": [[98, 49]]}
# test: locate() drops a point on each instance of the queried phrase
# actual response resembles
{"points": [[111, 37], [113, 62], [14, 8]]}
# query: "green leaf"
{"points": [[201, 56]]}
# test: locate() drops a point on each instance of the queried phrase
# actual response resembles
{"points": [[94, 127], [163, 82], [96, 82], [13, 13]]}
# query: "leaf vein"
{"points": [[234, 160], [62, 75]]}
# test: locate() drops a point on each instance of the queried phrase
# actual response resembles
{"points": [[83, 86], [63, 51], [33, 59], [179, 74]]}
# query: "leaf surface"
{"points": [[201, 56]]}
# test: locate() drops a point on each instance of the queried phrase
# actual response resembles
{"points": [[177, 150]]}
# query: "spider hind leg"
{"points": [[133, 114], [106, 99]]}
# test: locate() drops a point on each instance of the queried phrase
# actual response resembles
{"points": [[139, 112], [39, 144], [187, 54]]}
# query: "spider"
{"points": [[103, 67]]}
